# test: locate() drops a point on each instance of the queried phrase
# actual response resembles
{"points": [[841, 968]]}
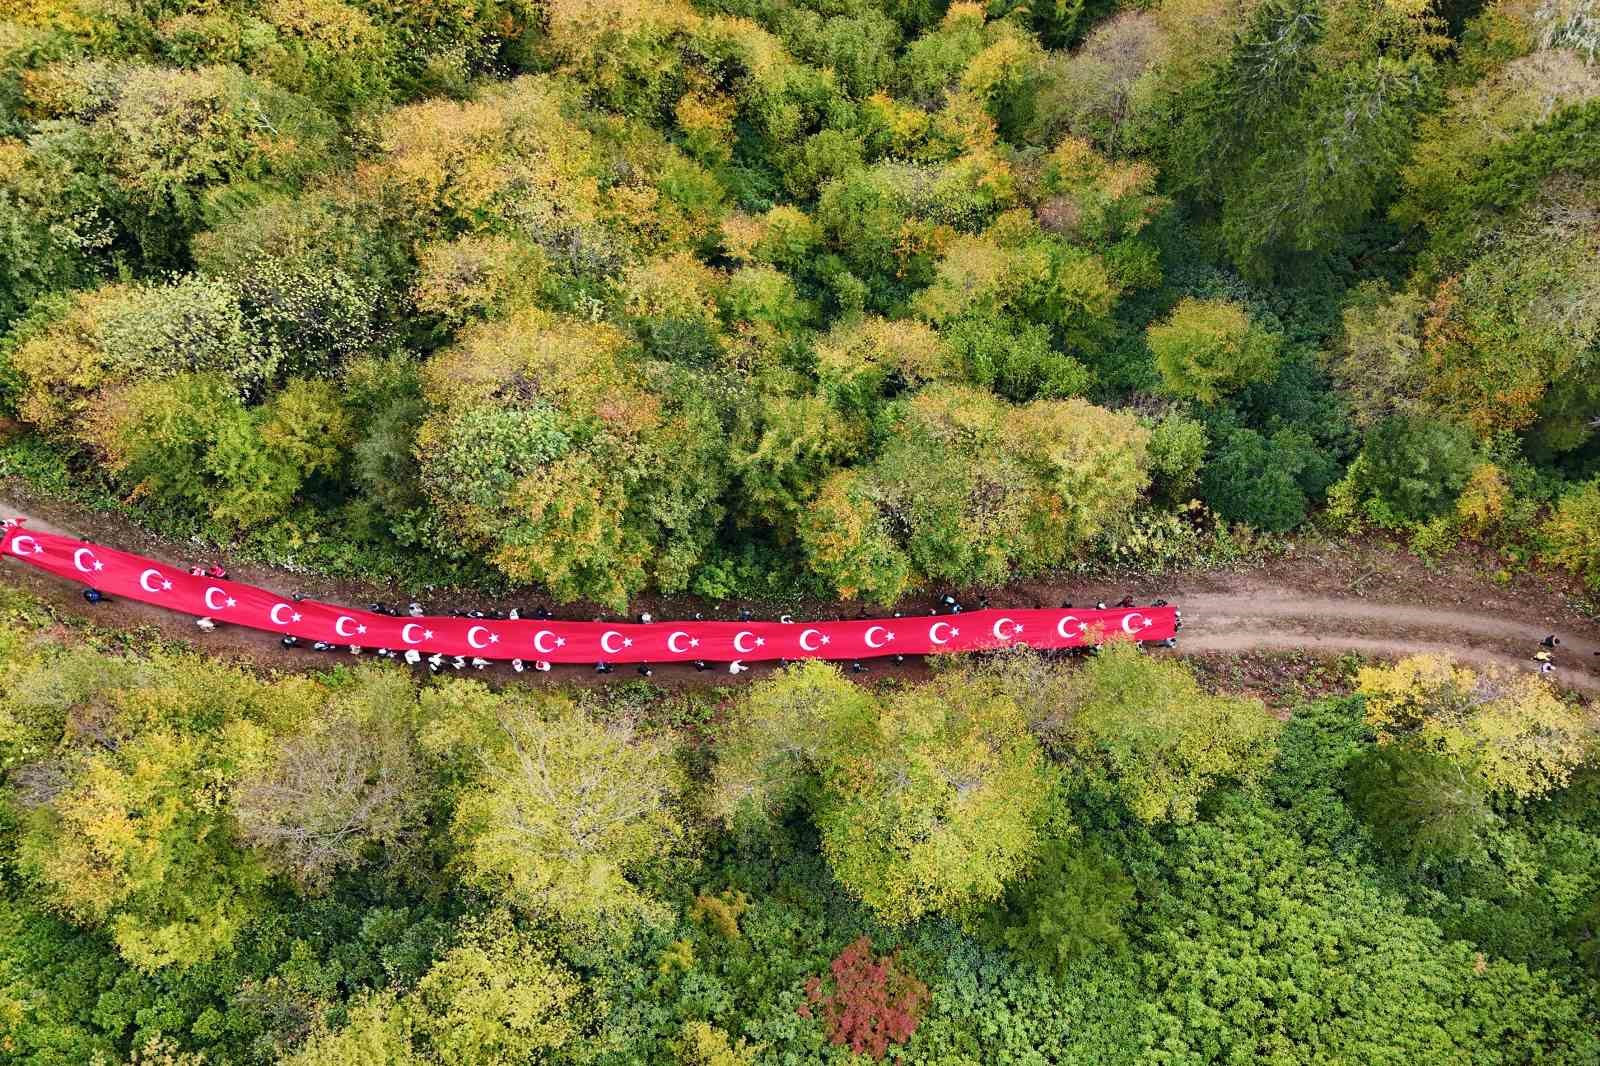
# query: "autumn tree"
{"points": [[1206, 349], [561, 815], [1144, 729], [349, 781], [1511, 730], [1572, 532], [498, 998], [928, 802], [943, 810], [136, 836]]}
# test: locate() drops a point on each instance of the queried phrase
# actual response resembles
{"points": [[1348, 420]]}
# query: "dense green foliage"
{"points": [[849, 298], [1017, 861]]}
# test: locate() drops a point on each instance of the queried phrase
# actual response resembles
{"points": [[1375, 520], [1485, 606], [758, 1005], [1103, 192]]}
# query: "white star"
{"points": [[165, 585], [38, 549], [295, 617], [888, 638], [560, 641], [694, 642], [1016, 627], [229, 601], [825, 638], [954, 632], [627, 642], [98, 565], [359, 629], [1145, 623], [427, 634], [1084, 626], [494, 638], [760, 641]]}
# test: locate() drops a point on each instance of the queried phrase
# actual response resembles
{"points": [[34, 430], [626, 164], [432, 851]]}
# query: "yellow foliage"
{"points": [[342, 28], [1482, 503], [742, 235], [577, 27], [703, 1044], [62, 365], [720, 912], [676, 286], [477, 276], [707, 124], [532, 354], [1512, 728], [509, 157], [877, 347]]}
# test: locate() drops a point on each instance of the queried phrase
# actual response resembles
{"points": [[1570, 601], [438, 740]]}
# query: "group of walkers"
{"points": [[438, 662], [1546, 655]]}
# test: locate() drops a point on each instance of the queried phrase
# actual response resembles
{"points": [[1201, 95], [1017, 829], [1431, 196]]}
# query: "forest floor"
{"points": [[1291, 628]]}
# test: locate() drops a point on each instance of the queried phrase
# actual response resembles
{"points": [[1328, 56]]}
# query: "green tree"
{"points": [[1073, 903], [1145, 729], [1422, 808], [1206, 349], [561, 815], [1412, 469], [942, 808]]}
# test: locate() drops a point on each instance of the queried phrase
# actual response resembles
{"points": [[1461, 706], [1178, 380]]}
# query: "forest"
{"points": [[782, 301]]}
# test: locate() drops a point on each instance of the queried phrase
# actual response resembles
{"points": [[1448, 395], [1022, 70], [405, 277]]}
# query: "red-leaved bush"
{"points": [[870, 1002]]}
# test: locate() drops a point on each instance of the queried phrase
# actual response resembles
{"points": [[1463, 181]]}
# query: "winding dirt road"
{"points": [[1307, 603]]}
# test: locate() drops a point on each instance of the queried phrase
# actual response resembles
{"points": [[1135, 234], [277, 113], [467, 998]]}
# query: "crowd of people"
{"points": [[437, 663], [946, 603]]}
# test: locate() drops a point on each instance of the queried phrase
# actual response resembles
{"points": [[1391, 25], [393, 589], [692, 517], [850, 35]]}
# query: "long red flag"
{"points": [[134, 577]]}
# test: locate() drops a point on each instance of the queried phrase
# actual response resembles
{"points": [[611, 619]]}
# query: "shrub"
{"points": [[1572, 533], [868, 1002]]}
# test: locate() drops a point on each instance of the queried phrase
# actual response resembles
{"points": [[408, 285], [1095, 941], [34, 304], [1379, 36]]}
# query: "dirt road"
{"points": [[1308, 602]]}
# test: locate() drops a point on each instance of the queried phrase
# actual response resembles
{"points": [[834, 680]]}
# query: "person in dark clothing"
{"points": [[1550, 642], [1125, 602], [95, 596]]}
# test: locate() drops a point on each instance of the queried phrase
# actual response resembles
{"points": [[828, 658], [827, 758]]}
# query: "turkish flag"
{"points": [[134, 577]]}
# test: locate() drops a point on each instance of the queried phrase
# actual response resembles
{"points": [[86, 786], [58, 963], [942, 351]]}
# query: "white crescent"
{"points": [[216, 606], [806, 633], [338, 624], [539, 636], [999, 628], [605, 641], [405, 633], [18, 549], [868, 637], [933, 633], [144, 580], [672, 641], [472, 640], [273, 614], [77, 558], [738, 642], [1127, 622], [1061, 628]]}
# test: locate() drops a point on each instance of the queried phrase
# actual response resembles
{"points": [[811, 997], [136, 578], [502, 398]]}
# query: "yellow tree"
{"points": [[562, 812], [1512, 728]]}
